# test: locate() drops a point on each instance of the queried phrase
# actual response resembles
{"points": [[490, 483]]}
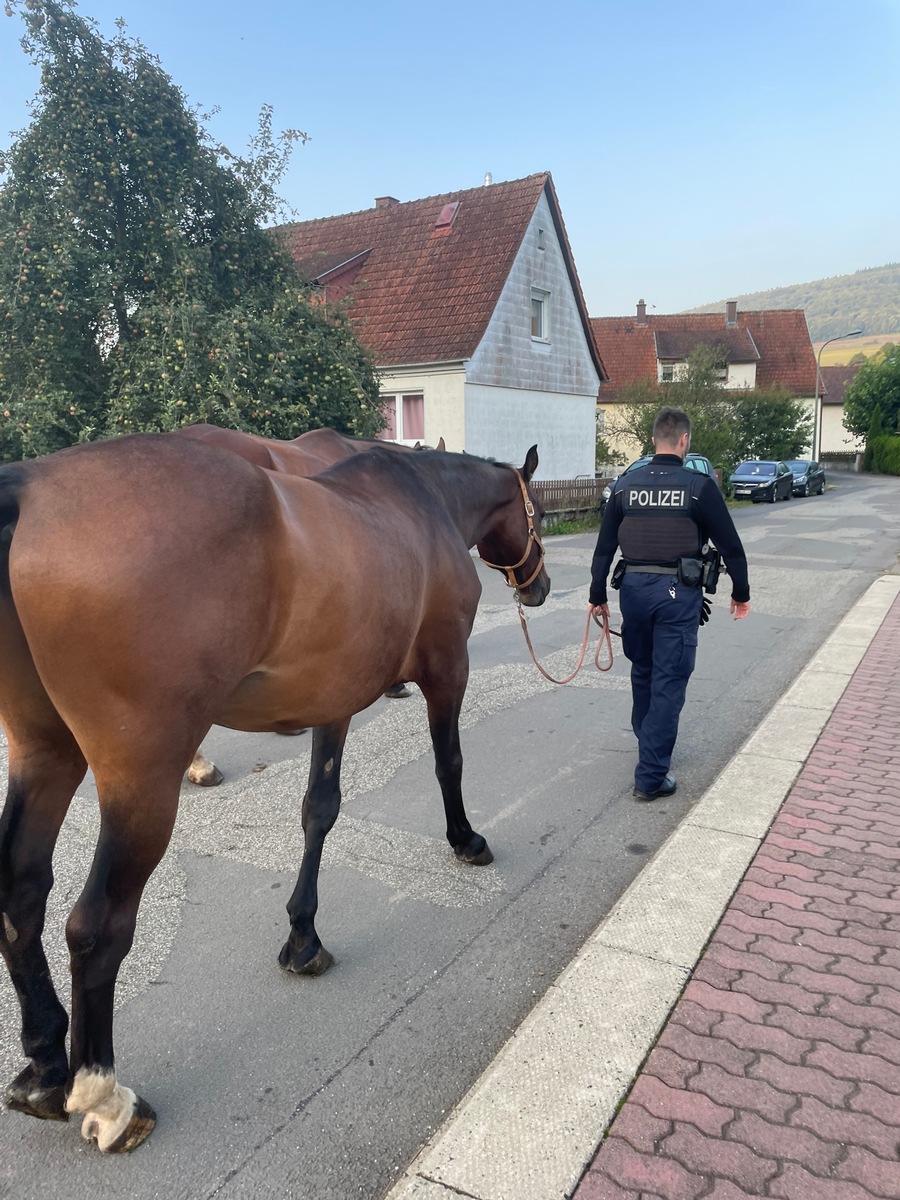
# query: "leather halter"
{"points": [[533, 537]]}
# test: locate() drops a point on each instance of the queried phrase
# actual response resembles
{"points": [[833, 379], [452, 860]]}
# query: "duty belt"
{"points": [[651, 569]]}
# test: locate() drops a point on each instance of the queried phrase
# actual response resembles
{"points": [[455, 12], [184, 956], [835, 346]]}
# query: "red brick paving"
{"points": [[778, 1071]]}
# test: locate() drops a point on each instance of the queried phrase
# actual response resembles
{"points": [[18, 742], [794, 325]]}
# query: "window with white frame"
{"points": [[540, 315], [405, 416]]}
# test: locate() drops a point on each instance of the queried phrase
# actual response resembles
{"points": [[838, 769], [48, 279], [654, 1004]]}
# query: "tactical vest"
{"points": [[658, 506]]}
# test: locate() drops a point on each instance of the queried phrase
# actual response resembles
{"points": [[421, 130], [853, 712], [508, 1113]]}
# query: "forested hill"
{"points": [[867, 300]]}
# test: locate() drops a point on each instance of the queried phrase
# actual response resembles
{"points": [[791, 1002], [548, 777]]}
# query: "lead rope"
{"points": [[605, 639]]}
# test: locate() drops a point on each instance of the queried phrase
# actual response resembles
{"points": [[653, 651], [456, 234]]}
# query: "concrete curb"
{"points": [[530, 1125]]}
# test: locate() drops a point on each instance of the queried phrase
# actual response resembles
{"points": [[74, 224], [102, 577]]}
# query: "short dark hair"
{"points": [[670, 424]]}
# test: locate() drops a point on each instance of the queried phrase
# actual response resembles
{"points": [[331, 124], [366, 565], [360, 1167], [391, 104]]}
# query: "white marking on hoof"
{"points": [[90, 1089], [106, 1116], [203, 772]]}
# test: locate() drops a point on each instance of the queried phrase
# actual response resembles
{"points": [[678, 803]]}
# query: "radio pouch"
{"points": [[690, 571], [618, 575]]}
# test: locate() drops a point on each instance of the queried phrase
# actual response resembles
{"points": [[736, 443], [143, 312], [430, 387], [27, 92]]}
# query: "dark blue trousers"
{"points": [[659, 636]]}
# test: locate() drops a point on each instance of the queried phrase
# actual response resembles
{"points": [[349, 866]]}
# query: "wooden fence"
{"points": [[570, 495]]}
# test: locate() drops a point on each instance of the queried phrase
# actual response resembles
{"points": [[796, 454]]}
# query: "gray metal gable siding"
{"points": [[506, 355]]}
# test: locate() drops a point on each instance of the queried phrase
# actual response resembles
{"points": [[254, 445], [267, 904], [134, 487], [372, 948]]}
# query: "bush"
{"points": [[885, 454]]}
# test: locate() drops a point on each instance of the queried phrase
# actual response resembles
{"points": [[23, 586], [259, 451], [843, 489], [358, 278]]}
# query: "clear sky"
{"points": [[700, 148]]}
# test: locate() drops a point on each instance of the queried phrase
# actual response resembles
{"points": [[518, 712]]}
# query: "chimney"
{"points": [[641, 312], [488, 179], [731, 312], [385, 201]]}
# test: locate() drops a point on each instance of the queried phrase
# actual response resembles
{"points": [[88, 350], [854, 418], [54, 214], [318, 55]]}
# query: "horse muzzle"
{"points": [[536, 592]]}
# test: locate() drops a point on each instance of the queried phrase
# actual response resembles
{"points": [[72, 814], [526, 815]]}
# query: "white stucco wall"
{"points": [[741, 375], [508, 356], [442, 387], [504, 422], [835, 438]]}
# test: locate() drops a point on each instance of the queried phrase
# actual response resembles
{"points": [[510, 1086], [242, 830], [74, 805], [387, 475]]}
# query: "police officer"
{"points": [[661, 516]]}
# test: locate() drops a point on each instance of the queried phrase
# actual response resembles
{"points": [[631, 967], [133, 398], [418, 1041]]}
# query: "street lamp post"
{"points": [[817, 439]]}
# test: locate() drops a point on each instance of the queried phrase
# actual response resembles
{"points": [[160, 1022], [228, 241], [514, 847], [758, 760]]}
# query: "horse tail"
{"points": [[10, 494]]}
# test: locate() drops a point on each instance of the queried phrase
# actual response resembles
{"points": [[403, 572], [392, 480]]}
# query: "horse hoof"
{"points": [[398, 691], [98, 1126], [477, 853], [317, 965], [207, 778], [25, 1095], [136, 1131], [291, 732]]}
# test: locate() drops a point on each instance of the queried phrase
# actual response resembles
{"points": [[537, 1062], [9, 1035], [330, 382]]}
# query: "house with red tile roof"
{"points": [[833, 436], [472, 308], [755, 349]]}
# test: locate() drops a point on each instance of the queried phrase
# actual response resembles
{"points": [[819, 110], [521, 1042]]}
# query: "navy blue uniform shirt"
{"points": [[662, 512]]}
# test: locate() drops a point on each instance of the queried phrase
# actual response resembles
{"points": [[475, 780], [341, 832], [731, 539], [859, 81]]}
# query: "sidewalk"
{"points": [[778, 1072], [744, 993]]}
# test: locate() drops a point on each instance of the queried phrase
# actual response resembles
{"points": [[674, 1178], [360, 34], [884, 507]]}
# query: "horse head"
{"points": [[513, 544]]}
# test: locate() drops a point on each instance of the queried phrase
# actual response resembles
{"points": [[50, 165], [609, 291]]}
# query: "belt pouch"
{"points": [[690, 571]]}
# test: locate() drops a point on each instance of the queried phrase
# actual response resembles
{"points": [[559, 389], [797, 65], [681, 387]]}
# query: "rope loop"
{"points": [[605, 640]]}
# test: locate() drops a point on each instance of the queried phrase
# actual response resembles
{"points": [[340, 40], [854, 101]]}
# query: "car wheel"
{"points": [[822, 488], [772, 496], [803, 491]]}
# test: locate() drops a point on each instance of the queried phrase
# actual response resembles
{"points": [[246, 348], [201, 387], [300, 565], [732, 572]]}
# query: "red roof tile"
{"points": [[781, 336], [425, 276], [835, 381]]}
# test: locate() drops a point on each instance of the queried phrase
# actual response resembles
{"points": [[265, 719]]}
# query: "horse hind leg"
{"points": [[303, 953], [444, 689], [135, 830], [45, 768]]}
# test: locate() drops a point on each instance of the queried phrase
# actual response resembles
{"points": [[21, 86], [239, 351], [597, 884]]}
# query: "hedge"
{"points": [[883, 454]]}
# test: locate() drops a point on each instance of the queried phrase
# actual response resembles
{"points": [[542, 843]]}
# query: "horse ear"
{"points": [[417, 446], [531, 462], [442, 445]]}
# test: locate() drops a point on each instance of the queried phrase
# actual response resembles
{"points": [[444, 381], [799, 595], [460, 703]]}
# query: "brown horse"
{"points": [[309, 454], [115, 652]]}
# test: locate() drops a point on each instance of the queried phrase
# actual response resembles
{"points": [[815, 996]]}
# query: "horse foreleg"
{"points": [[303, 953], [43, 775], [134, 834], [444, 691]]}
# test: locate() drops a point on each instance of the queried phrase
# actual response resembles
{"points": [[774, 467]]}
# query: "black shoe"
{"points": [[668, 787]]}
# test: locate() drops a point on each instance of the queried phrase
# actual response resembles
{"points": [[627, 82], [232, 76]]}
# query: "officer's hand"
{"points": [[740, 609], [705, 610], [599, 611]]}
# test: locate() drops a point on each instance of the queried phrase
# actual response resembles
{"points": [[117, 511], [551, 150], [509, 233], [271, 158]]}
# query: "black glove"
{"points": [[705, 610]]}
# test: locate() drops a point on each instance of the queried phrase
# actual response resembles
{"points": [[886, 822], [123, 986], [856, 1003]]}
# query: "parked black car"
{"points": [[757, 481], [693, 462], [809, 476]]}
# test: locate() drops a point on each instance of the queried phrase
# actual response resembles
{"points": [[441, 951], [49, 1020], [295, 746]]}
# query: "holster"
{"points": [[690, 571], [618, 575], [712, 565]]}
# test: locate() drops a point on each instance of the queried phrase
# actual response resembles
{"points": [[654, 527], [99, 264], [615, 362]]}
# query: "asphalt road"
{"points": [[269, 1085]]}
